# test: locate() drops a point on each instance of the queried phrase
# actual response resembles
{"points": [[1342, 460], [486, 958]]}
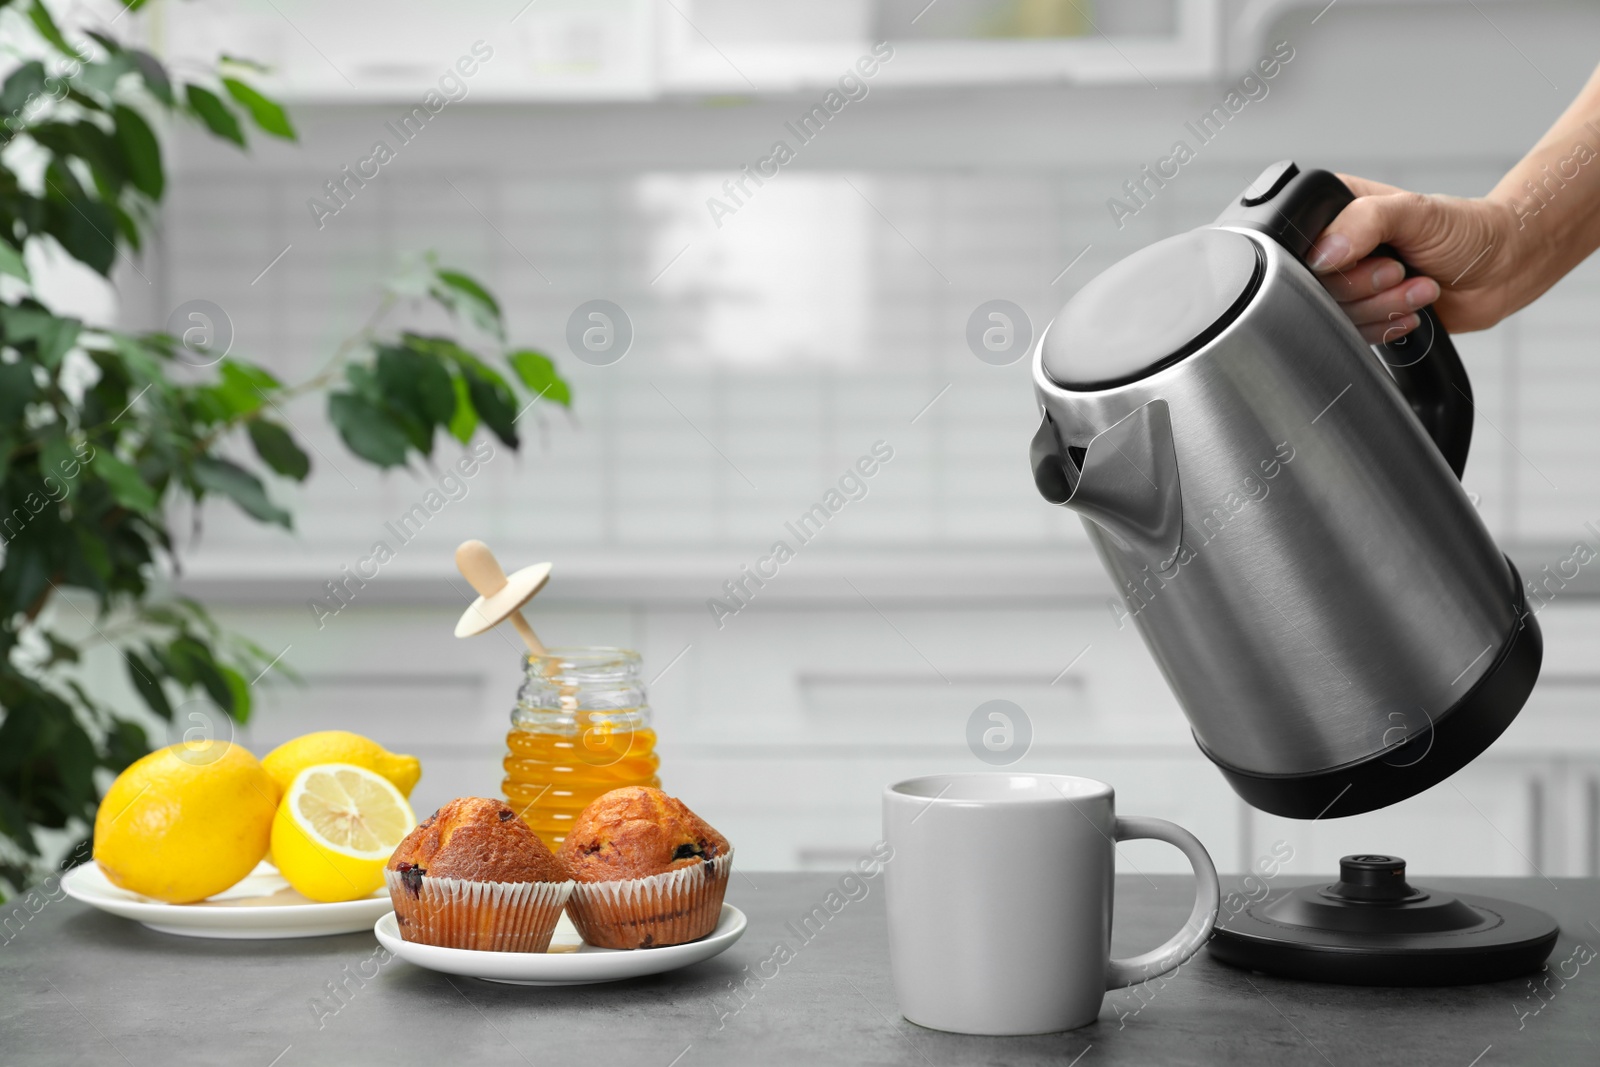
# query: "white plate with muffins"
{"points": [[568, 960], [636, 889]]}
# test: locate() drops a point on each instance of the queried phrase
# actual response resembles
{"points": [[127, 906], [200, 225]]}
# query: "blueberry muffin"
{"points": [[648, 872], [472, 875]]}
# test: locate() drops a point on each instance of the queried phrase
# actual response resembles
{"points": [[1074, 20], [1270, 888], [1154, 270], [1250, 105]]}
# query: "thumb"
{"points": [[1366, 186], [1409, 222]]}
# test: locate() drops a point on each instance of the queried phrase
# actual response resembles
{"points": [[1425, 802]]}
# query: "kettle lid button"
{"points": [[1269, 183]]}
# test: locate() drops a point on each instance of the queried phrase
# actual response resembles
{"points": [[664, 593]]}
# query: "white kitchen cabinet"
{"points": [[738, 46], [396, 51], [577, 50]]}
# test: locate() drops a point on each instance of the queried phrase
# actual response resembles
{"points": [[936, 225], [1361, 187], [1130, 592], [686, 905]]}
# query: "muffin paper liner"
{"points": [[486, 916], [671, 908]]}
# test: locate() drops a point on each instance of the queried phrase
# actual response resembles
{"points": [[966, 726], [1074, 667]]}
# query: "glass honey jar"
{"points": [[581, 728]]}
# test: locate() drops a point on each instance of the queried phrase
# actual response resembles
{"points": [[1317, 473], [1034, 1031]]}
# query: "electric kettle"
{"points": [[1279, 506]]}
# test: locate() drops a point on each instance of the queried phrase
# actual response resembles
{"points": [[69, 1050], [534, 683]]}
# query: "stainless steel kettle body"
{"points": [[1281, 511]]}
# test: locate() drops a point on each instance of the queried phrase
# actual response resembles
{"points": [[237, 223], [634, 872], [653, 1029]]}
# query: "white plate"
{"points": [[260, 906], [569, 961]]}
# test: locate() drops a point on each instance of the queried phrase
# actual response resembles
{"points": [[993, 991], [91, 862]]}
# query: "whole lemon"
{"points": [[340, 746], [186, 822]]}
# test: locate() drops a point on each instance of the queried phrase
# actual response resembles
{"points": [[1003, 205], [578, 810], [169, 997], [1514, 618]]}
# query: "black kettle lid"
{"points": [[1151, 309]]}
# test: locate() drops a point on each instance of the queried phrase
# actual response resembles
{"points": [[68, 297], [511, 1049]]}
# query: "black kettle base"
{"points": [[1372, 928]]}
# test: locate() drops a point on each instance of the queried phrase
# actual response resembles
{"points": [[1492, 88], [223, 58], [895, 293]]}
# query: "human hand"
{"points": [[1463, 250]]}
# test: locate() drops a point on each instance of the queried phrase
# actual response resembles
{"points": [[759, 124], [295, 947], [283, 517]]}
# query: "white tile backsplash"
{"points": [[823, 315]]}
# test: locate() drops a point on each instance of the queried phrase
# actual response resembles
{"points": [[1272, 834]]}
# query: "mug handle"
{"points": [[1207, 895]]}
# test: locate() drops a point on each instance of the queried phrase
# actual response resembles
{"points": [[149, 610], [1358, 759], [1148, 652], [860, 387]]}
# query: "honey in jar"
{"points": [[581, 728]]}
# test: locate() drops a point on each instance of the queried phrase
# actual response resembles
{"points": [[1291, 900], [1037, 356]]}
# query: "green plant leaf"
{"points": [[146, 679], [54, 336], [494, 402], [364, 380], [416, 383], [242, 387], [14, 820], [24, 84], [88, 561], [464, 423], [56, 457], [142, 150], [84, 227], [160, 614], [17, 391], [195, 665], [239, 689], [110, 44], [485, 391], [538, 372], [154, 75], [144, 357], [11, 263], [252, 374], [367, 430], [40, 17], [278, 450], [228, 479], [267, 114], [125, 483], [102, 77], [92, 145], [127, 227], [210, 109], [397, 407], [25, 576], [465, 297], [125, 742], [440, 348], [73, 758], [242, 63]]}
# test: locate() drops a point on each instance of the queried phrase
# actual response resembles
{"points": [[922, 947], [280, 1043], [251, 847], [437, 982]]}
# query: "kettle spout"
{"points": [[1126, 481]]}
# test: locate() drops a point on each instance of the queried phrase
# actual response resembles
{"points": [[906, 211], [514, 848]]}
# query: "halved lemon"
{"points": [[335, 829]]}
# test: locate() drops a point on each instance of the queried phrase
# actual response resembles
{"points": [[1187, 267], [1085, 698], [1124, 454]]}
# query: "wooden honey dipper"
{"points": [[500, 596]]}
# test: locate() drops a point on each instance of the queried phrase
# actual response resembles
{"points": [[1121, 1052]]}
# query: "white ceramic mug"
{"points": [[999, 897]]}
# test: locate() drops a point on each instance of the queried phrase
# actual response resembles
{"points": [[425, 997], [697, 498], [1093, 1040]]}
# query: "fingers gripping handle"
{"points": [[1426, 367], [1197, 930], [1293, 207]]}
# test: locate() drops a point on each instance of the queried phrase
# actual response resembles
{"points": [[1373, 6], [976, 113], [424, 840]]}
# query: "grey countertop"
{"points": [[83, 988]]}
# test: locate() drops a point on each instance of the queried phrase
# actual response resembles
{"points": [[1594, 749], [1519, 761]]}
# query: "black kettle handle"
{"points": [[1292, 207]]}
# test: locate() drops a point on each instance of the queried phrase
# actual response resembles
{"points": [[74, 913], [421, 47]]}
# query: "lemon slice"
{"points": [[335, 830]]}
